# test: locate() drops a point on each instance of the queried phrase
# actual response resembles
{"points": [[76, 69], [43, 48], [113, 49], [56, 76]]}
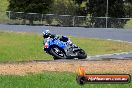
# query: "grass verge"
{"points": [[22, 46], [51, 80]]}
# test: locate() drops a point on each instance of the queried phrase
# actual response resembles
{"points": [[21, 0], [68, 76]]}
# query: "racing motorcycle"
{"points": [[63, 49]]}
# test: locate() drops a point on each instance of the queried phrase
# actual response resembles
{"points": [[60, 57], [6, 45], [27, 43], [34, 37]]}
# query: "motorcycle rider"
{"points": [[47, 34], [70, 51]]}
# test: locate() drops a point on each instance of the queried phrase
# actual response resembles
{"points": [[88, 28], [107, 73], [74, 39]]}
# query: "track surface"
{"points": [[102, 33], [109, 33], [112, 66]]}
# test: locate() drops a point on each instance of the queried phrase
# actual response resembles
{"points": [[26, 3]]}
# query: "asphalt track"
{"points": [[122, 35], [103, 33]]}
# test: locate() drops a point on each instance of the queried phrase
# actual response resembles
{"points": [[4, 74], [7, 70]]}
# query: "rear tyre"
{"points": [[57, 53], [82, 54], [55, 58]]}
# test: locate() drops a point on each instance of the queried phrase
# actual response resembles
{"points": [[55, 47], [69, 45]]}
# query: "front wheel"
{"points": [[57, 53], [82, 54]]}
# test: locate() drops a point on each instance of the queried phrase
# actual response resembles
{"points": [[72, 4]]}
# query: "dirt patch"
{"points": [[116, 66]]}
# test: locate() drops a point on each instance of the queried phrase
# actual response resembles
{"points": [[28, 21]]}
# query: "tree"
{"points": [[64, 7], [32, 6], [82, 7], [116, 9], [128, 9], [29, 6], [97, 8]]}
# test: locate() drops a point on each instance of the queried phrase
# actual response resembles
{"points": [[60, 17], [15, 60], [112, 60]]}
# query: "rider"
{"points": [[47, 34]]}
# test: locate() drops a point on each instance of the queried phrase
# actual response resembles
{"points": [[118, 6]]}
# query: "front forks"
{"points": [[71, 51]]}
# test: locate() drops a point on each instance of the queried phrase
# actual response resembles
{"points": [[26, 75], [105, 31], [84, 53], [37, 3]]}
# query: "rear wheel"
{"points": [[82, 54], [57, 53]]}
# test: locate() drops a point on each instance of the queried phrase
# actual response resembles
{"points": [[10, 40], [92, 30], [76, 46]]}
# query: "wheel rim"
{"points": [[58, 52], [82, 53]]}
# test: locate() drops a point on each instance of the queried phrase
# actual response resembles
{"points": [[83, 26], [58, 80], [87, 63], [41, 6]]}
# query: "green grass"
{"points": [[21, 46], [3, 5], [128, 24], [50, 80], [29, 46]]}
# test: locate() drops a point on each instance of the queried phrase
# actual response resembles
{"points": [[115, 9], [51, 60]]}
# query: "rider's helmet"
{"points": [[46, 33]]}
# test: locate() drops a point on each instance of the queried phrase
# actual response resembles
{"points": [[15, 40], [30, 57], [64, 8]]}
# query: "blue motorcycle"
{"points": [[63, 48]]}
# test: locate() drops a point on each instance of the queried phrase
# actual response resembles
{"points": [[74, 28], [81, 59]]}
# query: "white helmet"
{"points": [[46, 32]]}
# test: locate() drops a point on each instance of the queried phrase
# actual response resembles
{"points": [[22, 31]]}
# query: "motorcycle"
{"points": [[63, 49]]}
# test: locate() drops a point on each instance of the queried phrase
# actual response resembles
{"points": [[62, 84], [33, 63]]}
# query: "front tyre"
{"points": [[57, 53], [82, 54]]}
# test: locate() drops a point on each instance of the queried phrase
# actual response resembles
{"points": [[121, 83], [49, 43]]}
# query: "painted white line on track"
{"points": [[105, 55], [119, 41]]}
